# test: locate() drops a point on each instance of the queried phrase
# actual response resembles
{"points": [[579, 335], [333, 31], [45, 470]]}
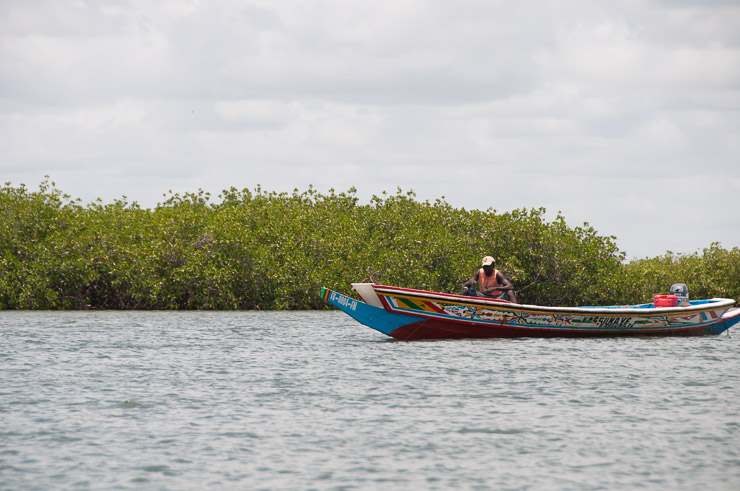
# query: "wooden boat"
{"points": [[409, 314]]}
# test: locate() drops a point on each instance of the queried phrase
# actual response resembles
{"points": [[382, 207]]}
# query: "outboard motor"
{"points": [[681, 291]]}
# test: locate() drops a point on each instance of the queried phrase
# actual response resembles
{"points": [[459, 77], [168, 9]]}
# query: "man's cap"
{"points": [[488, 260]]}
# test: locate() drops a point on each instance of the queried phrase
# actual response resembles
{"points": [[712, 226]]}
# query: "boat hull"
{"points": [[415, 314]]}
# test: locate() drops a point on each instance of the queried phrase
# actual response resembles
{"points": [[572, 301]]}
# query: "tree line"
{"points": [[254, 249]]}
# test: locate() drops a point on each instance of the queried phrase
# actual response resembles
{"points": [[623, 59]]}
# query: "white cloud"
{"points": [[608, 112]]}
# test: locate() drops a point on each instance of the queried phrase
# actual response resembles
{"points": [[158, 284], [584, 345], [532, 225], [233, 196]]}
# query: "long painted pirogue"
{"points": [[409, 314]]}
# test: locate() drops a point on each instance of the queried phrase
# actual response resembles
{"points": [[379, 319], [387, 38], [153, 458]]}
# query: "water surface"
{"points": [[313, 400]]}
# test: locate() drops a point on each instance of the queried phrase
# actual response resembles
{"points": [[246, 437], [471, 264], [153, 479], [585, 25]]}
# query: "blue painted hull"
{"points": [[374, 317]]}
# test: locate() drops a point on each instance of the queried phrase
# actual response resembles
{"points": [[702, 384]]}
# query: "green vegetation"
{"points": [[266, 250]]}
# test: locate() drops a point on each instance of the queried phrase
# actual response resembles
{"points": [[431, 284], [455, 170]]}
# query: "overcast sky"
{"points": [[623, 114]]}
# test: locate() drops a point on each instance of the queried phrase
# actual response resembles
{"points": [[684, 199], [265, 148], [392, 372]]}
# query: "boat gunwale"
{"points": [[712, 304]]}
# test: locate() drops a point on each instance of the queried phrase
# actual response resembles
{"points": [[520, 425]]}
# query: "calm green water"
{"points": [[312, 400]]}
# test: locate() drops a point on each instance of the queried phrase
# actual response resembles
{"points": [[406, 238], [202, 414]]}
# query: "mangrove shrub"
{"points": [[254, 249]]}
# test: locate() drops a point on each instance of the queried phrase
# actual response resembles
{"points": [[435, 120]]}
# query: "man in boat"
{"points": [[491, 282]]}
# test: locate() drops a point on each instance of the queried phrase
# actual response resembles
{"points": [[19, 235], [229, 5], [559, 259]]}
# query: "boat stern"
{"points": [[728, 319]]}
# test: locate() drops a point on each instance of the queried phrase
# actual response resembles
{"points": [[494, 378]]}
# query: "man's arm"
{"points": [[504, 282], [472, 280]]}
